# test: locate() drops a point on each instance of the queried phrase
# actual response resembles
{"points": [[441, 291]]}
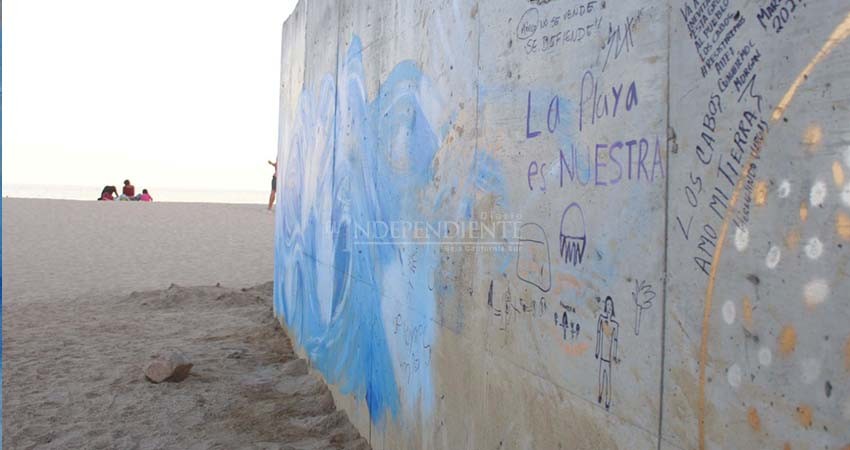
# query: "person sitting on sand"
{"points": [[274, 185], [129, 191], [108, 193], [145, 197]]}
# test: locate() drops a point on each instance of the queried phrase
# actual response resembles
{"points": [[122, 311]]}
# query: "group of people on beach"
{"points": [[128, 193]]}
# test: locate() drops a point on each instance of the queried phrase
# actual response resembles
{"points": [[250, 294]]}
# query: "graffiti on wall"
{"points": [[361, 304], [607, 340], [582, 139], [755, 199]]}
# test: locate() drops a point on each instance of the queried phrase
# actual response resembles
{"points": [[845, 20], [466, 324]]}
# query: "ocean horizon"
{"points": [[179, 195]]}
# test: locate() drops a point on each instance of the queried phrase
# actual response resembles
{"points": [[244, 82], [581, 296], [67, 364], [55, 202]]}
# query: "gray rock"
{"points": [[168, 365], [294, 368]]}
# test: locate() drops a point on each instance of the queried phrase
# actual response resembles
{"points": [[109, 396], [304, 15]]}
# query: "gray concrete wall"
{"points": [[553, 224]]}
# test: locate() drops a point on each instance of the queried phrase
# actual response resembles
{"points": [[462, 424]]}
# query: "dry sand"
{"points": [[55, 249], [80, 321]]}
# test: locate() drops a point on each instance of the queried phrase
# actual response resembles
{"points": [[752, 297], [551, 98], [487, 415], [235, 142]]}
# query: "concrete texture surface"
{"points": [[570, 224]]}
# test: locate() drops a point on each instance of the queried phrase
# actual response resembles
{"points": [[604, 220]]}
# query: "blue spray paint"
{"points": [[362, 306]]}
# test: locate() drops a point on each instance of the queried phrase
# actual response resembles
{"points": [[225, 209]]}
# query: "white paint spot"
{"points": [[773, 257], [742, 238], [728, 312], [733, 375], [811, 370], [847, 156], [845, 195], [814, 248], [784, 189], [818, 193], [765, 356], [815, 292]]}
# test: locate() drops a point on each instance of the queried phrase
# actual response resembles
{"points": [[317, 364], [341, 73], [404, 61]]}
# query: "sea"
{"points": [[159, 194]]}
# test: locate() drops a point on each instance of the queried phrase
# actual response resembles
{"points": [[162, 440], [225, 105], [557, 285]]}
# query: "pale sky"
{"points": [[177, 93]]}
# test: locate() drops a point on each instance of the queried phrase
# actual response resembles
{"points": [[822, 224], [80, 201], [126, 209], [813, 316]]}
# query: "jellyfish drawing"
{"points": [[573, 234]]}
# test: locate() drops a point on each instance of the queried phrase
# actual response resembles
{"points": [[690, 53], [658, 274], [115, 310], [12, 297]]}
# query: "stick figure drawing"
{"points": [[607, 331]]}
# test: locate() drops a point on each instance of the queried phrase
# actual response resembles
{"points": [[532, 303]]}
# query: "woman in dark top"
{"points": [[129, 190]]}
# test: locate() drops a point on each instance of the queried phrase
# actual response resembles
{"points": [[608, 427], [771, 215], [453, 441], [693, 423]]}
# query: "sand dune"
{"points": [[77, 331]]}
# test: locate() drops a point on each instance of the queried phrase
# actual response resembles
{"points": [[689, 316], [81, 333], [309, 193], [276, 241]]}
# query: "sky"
{"points": [[177, 93]]}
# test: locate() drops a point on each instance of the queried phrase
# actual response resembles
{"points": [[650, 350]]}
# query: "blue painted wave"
{"points": [[363, 309]]}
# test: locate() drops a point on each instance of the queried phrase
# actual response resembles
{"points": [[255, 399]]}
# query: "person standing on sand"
{"points": [[274, 184]]}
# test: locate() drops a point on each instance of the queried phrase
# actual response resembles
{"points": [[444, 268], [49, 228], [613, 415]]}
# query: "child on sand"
{"points": [[145, 197]]}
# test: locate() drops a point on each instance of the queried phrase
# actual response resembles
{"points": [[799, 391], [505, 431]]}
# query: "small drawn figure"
{"points": [[490, 295], [643, 296], [573, 234], [533, 265], [607, 330], [538, 308], [568, 326], [564, 323], [506, 298], [412, 261]]}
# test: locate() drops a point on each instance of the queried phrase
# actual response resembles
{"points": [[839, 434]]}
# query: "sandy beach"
{"points": [[92, 290], [57, 249]]}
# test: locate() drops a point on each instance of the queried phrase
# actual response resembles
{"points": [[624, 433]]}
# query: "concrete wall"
{"points": [[663, 211]]}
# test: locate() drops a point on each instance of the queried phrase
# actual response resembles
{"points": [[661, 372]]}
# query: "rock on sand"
{"points": [[168, 365]]}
